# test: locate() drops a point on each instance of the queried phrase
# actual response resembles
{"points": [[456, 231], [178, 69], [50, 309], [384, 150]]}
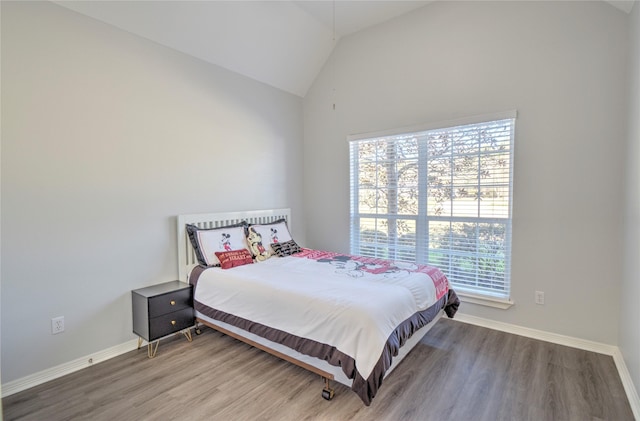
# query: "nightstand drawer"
{"points": [[170, 323], [170, 302]]}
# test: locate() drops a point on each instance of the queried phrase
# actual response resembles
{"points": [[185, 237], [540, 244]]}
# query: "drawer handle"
{"points": [[173, 322], [173, 303]]}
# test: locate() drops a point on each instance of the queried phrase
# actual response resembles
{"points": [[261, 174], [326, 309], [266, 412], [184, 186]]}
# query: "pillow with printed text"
{"points": [[233, 258]]}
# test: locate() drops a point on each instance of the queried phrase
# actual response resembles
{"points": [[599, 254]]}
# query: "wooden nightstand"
{"points": [[160, 310]]}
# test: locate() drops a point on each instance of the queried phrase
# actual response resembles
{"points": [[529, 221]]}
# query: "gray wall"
{"points": [[562, 65], [105, 138], [630, 310]]}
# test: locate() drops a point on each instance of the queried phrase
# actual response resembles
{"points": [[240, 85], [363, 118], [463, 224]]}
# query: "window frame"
{"points": [[422, 218]]}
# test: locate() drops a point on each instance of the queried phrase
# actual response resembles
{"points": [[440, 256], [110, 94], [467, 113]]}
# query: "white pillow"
{"points": [[261, 236], [206, 242]]}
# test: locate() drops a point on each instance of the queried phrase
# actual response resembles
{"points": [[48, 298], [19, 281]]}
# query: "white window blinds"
{"points": [[441, 197]]}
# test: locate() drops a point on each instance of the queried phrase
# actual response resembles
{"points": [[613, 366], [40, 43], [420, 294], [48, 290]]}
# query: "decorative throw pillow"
{"points": [[206, 242], [286, 249], [233, 258], [261, 236]]}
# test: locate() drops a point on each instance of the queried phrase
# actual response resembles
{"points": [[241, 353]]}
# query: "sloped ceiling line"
{"points": [[281, 43]]}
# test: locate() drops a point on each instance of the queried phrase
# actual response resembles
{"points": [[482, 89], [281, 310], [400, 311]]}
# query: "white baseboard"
{"points": [[555, 338], [600, 348], [52, 373], [629, 388]]}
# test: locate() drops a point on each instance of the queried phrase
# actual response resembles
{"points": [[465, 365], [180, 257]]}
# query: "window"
{"points": [[438, 196]]}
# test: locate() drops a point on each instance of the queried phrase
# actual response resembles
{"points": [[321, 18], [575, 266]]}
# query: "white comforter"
{"points": [[315, 301]]}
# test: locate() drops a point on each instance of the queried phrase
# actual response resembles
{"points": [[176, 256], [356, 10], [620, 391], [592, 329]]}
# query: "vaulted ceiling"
{"points": [[281, 43]]}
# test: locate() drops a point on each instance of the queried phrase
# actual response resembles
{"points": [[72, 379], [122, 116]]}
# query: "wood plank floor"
{"points": [[457, 372]]}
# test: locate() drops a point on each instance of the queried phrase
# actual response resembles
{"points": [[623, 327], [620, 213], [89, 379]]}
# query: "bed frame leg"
{"points": [[327, 392]]}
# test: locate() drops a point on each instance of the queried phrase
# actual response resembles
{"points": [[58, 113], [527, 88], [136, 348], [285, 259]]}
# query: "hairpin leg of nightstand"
{"points": [[187, 334], [151, 351]]}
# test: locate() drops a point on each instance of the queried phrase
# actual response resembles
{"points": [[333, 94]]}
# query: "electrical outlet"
{"points": [[57, 325], [539, 298]]}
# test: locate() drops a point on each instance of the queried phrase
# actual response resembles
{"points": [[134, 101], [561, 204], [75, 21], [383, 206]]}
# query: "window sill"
{"points": [[484, 300]]}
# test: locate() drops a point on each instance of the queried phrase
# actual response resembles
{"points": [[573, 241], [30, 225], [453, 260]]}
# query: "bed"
{"points": [[346, 318]]}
